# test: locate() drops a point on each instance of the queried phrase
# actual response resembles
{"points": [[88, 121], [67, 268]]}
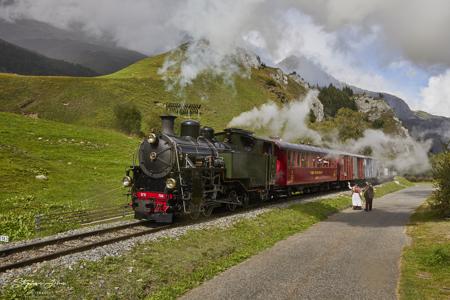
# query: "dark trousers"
{"points": [[369, 203]]}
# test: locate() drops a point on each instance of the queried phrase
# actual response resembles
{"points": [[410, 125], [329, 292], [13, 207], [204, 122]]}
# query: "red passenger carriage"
{"points": [[304, 167]]}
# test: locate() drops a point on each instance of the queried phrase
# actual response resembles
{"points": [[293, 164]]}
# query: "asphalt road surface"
{"points": [[351, 255]]}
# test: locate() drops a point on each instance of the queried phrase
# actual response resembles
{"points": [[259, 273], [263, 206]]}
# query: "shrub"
{"points": [[312, 116], [440, 199], [271, 82], [128, 118], [334, 99], [350, 124]]}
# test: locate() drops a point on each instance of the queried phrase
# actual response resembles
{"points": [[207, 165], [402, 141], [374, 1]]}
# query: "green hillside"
{"points": [[90, 101], [84, 167]]}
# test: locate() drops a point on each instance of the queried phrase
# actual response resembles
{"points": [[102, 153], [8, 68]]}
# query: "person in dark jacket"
{"points": [[368, 196]]}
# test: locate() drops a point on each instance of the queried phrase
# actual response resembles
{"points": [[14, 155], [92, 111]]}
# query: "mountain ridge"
{"points": [[15, 59], [100, 55]]}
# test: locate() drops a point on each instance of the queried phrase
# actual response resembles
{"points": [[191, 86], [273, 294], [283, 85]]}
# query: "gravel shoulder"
{"points": [[351, 255]]}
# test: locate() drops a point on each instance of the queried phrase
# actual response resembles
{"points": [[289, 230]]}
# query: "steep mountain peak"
{"points": [[310, 71]]}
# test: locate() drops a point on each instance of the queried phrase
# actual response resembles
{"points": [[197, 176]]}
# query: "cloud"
{"points": [[140, 25], [419, 29], [299, 35], [436, 95]]}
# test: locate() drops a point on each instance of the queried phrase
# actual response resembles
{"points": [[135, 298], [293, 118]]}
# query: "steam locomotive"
{"points": [[199, 170]]}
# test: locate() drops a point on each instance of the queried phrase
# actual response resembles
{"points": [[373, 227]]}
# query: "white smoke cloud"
{"points": [[289, 122], [182, 67], [404, 154], [436, 96]]}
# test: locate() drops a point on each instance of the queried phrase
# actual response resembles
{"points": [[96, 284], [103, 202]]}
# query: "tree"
{"points": [[348, 91], [440, 200], [128, 118], [350, 124], [333, 99]]}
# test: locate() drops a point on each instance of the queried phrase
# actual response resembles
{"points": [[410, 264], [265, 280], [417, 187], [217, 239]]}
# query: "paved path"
{"points": [[351, 255]]}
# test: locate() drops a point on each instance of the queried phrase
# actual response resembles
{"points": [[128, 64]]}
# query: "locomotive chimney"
{"points": [[167, 124]]}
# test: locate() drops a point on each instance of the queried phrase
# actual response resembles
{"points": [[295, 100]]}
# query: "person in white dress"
{"points": [[356, 196]]}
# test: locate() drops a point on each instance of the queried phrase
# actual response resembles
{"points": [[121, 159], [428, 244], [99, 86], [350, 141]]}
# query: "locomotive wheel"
{"points": [[232, 197], [195, 211], [207, 211]]}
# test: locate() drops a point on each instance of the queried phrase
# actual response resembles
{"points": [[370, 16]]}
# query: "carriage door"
{"points": [[271, 163], [355, 167]]}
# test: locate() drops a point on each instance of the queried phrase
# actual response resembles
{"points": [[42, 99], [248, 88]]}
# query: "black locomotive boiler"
{"points": [[176, 174]]}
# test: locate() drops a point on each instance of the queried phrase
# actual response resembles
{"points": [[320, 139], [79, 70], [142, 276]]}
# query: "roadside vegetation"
{"points": [[48, 166], [426, 262], [425, 270], [172, 266], [392, 186], [440, 200]]}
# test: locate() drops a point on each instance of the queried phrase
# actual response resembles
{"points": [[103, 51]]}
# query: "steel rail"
{"points": [[54, 240], [71, 250]]}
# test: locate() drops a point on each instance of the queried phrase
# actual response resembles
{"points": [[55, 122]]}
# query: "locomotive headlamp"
{"points": [[171, 183], [152, 138], [126, 181]]}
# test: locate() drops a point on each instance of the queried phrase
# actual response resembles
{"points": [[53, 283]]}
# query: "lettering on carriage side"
{"points": [[315, 172]]}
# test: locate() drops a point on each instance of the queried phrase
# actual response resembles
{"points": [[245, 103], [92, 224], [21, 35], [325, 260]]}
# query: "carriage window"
{"points": [[303, 160]]}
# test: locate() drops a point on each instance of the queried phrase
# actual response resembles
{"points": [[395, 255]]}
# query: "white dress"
{"points": [[356, 199]]}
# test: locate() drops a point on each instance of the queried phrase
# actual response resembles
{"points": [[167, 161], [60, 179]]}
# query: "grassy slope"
{"points": [[170, 267], [90, 101], [80, 162], [426, 262]]}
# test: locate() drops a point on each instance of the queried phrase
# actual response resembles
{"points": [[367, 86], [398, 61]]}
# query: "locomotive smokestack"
{"points": [[167, 124]]}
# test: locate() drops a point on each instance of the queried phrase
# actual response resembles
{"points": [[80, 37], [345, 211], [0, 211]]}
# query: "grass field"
{"points": [[84, 167], [90, 101], [425, 269], [170, 267]]}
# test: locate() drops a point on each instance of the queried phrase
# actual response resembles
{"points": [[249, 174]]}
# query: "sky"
{"points": [[396, 46]]}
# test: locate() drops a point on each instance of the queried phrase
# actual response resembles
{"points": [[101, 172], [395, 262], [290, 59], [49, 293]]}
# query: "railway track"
{"points": [[24, 255], [19, 256]]}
